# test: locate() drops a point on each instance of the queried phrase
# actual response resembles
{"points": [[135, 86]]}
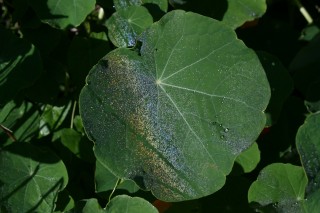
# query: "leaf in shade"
{"points": [[20, 65], [30, 178], [62, 14]]}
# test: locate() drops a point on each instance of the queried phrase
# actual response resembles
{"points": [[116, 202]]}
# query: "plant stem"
{"points": [[304, 12], [114, 188], [73, 112]]}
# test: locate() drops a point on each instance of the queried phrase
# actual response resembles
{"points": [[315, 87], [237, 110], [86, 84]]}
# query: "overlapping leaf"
{"points": [[126, 24], [30, 178], [282, 185], [62, 14], [174, 116]]}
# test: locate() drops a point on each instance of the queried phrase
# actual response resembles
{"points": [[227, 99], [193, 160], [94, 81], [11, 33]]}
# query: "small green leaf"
{"points": [[52, 117], [62, 14], [20, 65], [240, 11], [78, 144], [308, 145], [23, 119], [280, 184], [249, 159], [30, 178], [91, 206], [106, 181], [126, 24], [124, 203], [174, 117]]}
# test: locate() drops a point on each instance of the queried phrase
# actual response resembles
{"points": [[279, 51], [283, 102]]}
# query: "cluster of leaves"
{"points": [[171, 110]]}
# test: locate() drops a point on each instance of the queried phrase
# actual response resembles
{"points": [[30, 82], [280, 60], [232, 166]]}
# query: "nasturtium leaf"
{"points": [[280, 82], [121, 4], [282, 185], [75, 142], [125, 203], [240, 11], [22, 118], [63, 14], [20, 65], [52, 117], [89, 206], [126, 24], [30, 178], [106, 181], [234, 13], [174, 116], [308, 145], [162, 4], [249, 159]]}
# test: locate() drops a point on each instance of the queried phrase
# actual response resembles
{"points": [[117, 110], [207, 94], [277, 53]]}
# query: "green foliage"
{"points": [[118, 106], [152, 100]]}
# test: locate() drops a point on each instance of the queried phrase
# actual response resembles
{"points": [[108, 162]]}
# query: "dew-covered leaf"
{"points": [[174, 116], [62, 14], [282, 185], [249, 159], [30, 178], [308, 145], [126, 24], [240, 11], [120, 4], [234, 13], [20, 65], [125, 203], [106, 181]]}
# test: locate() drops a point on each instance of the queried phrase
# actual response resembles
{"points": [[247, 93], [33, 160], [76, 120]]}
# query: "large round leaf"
{"points": [[30, 178], [174, 116]]}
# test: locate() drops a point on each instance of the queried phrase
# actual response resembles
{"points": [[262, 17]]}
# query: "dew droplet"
{"points": [[222, 136], [214, 123], [226, 130]]}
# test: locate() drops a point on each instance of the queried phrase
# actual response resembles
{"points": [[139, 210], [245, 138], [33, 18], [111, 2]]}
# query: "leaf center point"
{"points": [[158, 82]]}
